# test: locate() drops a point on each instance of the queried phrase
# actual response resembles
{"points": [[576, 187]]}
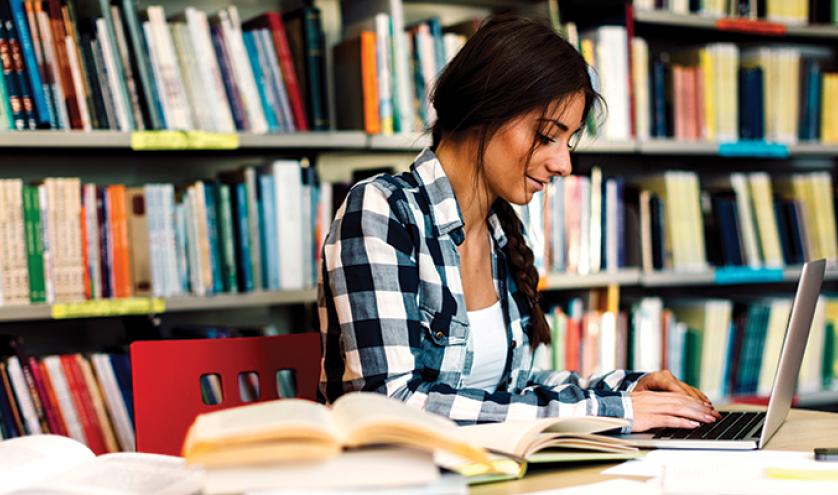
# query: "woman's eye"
{"points": [[544, 139]]}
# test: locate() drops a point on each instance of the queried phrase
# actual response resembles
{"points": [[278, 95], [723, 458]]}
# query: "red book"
{"points": [[273, 22], [56, 22], [84, 405], [118, 224], [53, 414]]}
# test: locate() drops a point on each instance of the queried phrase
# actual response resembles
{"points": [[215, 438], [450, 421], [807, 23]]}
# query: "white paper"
{"points": [[651, 465]]}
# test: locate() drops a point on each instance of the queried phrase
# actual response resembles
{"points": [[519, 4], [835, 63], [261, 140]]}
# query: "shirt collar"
{"points": [[443, 206]]}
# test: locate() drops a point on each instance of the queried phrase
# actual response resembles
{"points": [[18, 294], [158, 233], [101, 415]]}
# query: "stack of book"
{"points": [[727, 349], [86, 65], [584, 225], [783, 11], [391, 70], [716, 93], [253, 229], [87, 398]]}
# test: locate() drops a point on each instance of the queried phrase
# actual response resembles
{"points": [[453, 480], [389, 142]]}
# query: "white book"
{"points": [[169, 70], [269, 81], [612, 66], [559, 234], [47, 254], [65, 401], [153, 218], [404, 81], [648, 335], [114, 401], [75, 71], [429, 70], [291, 225], [584, 227], [199, 31], [762, 202], [121, 108], [63, 466], [198, 284], [607, 342], [745, 216], [94, 256], [182, 234], [166, 105], [242, 71], [193, 84], [775, 335], [24, 400], [169, 240]]}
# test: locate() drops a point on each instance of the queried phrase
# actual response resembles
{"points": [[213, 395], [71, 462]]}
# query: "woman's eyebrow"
{"points": [[561, 125]]}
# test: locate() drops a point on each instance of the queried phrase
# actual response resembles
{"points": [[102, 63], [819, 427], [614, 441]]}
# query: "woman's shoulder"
{"points": [[395, 191]]}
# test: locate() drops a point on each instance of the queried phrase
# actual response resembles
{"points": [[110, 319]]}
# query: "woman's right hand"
{"points": [[669, 410]]}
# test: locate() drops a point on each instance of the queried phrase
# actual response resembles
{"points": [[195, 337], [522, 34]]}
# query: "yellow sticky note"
{"points": [[109, 307], [159, 140], [802, 474], [201, 140]]}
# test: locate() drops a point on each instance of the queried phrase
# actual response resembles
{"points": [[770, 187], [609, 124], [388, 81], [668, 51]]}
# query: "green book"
{"points": [[34, 244], [692, 354], [227, 240], [828, 354], [6, 116]]}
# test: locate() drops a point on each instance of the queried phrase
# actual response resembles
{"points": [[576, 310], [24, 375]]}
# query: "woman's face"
{"points": [[506, 171]]}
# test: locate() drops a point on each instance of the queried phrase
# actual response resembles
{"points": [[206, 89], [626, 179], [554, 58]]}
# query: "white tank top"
{"points": [[488, 340]]}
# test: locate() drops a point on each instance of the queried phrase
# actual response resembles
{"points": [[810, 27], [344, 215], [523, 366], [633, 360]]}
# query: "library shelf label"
{"points": [[754, 149], [751, 26], [743, 274], [109, 307], [183, 140]]}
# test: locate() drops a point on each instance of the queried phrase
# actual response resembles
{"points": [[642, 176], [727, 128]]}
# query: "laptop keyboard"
{"points": [[731, 426]]}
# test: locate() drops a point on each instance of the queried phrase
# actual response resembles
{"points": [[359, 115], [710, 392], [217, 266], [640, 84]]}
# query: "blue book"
{"points": [[121, 365], [724, 209], [435, 26], [270, 239], [659, 127], [104, 240], [42, 113], [224, 65], [242, 220], [810, 104], [7, 422], [621, 223], [14, 73], [795, 232], [419, 79], [261, 82], [213, 236]]}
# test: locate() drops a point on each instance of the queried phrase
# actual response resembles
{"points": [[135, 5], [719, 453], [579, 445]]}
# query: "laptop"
{"points": [[752, 430]]}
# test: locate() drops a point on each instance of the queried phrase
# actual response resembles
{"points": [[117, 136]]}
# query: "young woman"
{"points": [[428, 290]]}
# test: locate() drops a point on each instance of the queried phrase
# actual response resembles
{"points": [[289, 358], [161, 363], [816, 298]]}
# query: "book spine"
{"points": [[213, 232], [128, 70], [16, 411], [261, 80], [369, 78], [244, 266], [289, 73], [119, 241], [227, 242], [27, 397], [315, 68], [43, 65], [230, 86], [19, 117], [142, 66], [41, 109]]}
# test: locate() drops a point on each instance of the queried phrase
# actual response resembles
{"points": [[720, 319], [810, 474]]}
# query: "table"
{"points": [[802, 430]]}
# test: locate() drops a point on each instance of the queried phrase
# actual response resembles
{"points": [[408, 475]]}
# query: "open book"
{"points": [[298, 430], [61, 465], [515, 444]]}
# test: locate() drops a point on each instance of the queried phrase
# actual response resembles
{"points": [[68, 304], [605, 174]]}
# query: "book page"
{"points": [[26, 460], [370, 418], [517, 437], [124, 474], [274, 420]]}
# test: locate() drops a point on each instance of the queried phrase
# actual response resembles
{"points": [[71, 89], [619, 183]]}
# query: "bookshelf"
{"points": [[335, 154], [757, 28]]}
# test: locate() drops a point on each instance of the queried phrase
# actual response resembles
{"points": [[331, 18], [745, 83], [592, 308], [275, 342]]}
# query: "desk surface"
{"points": [[802, 430]]}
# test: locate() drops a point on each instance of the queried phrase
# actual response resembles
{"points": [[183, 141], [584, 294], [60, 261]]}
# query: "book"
{"points": [[299, 430], [60, 465], [517, 444]]}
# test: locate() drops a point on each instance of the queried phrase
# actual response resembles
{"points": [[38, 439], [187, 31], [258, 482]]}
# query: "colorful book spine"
{"points": [[227, 240]]}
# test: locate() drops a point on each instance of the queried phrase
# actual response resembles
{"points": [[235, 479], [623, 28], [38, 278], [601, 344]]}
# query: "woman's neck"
{"points": [[473, 196]]}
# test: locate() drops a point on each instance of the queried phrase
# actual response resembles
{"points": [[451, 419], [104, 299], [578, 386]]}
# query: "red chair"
{"points": [[167, 379]]}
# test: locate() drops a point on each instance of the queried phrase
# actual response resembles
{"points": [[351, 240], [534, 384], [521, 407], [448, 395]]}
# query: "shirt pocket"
{"points": [[442, 329]]}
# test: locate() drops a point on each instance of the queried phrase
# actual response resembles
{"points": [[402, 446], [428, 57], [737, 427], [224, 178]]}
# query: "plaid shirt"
{"points": [[393, 315]]}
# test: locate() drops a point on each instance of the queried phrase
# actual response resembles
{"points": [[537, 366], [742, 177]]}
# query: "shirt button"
{"points": [[439, 334], [514, 344]]}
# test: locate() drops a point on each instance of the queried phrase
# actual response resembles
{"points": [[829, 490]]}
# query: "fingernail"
{"points": [[694, 423], [708, 404], [709, 418]]}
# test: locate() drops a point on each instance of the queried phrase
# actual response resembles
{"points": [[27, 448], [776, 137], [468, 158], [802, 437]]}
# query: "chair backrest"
{"points": [[167, 379]]}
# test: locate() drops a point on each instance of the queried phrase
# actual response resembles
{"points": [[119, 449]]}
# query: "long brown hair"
{"points": [[510, 67]]}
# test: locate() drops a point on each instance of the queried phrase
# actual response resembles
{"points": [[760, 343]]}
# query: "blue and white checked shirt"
{"points": [[393, 316]]}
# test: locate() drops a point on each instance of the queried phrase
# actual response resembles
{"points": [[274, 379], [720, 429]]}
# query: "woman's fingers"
{"points": [[664, 421]]}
